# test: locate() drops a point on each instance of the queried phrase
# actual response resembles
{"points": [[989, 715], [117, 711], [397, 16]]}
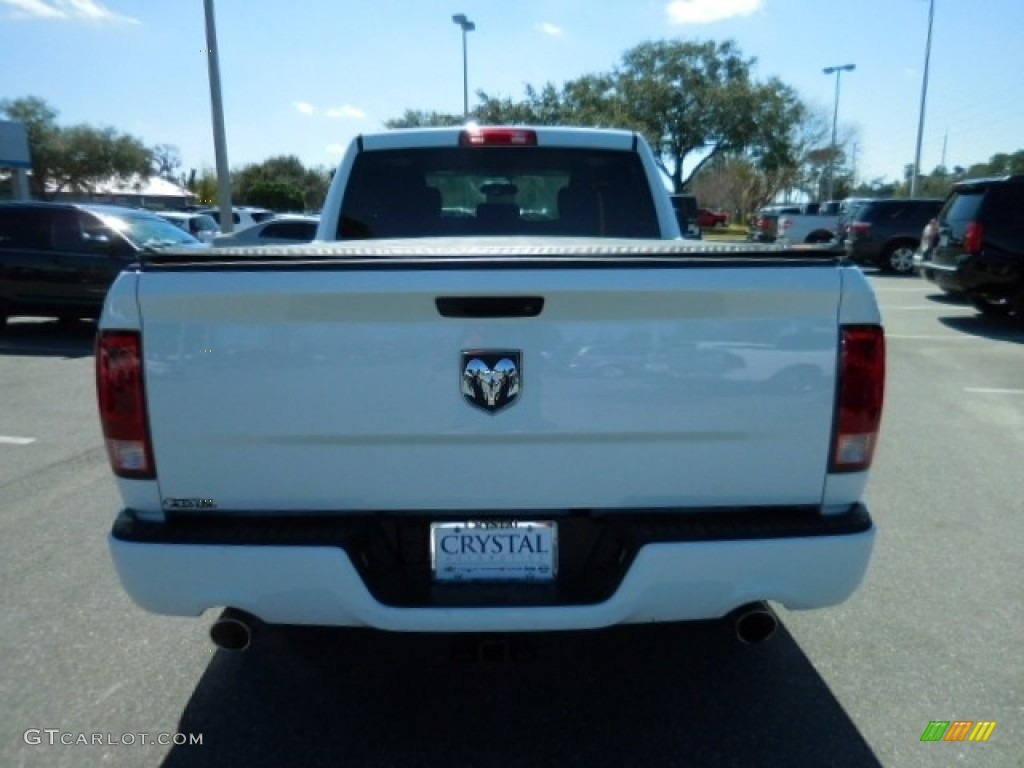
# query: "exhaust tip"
{"points": [[755, 623], [232, 631]]}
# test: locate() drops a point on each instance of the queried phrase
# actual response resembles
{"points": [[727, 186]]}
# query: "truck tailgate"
{"points": [[324, 388]]}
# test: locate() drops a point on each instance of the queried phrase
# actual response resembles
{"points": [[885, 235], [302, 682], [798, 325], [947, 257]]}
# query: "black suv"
{"points": [[980, 252], [886, 233], [59, 259]]}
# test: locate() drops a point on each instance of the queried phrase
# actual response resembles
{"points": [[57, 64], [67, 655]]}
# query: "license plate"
{"points": [[494, 550]]}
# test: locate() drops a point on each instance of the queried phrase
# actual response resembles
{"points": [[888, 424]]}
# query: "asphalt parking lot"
{"points": [[933, 634]]}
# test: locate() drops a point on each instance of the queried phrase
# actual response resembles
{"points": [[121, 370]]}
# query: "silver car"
{"points": [[281, 230]]}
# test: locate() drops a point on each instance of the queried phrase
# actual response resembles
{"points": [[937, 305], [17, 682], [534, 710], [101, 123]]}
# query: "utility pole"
{"points": [[924, 96], [467, 26], [835, 119], [220, 149]]}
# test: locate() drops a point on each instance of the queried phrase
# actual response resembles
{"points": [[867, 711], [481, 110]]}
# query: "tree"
{"points": [[415, 118], [39, 119], [285, 181], [166, 162], [692, 101], [276, 195], [86, 156], [205, 187], [698, 100], [78, 157]]}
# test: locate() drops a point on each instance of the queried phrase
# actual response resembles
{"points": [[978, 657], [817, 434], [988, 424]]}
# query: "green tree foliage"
{"points": [[699, 100], [414, 118], [275, 195], [940, 181], [76, 157], [285, 181], [1000, 164], [205, 187]]}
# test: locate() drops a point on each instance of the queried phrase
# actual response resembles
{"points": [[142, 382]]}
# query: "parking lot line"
{"points": [[993, 391], [11, 440], [917, 307], [929, 337]]}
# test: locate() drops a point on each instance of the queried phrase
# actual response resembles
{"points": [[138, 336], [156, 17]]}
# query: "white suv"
{"points": [[243, 215]]}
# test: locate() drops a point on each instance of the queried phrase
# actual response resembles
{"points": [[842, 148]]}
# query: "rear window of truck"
{"points": [[439, 191]]}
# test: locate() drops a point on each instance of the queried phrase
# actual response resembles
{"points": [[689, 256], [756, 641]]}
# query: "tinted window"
{"points": [[962, 206], [290, 230], [497, 191], [66, 231], [258, 216], [23, 227], [144, 230], [203, 224], [881, 212]]}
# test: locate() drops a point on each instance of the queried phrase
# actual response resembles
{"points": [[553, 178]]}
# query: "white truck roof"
{"points": [[548, 136]]}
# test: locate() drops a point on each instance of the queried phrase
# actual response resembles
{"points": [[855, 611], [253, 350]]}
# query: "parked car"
{"points": [[980, 250], [847, 210], [708, 218], [59, 259], [202, 226], [282, 230], [765, 223], [243, 216], [686, 210], [886, 233]]}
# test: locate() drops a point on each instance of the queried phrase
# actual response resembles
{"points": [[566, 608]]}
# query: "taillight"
{"points": [[973, 238], [122, 403], [860, 227], [860, 391], [498, 137]]}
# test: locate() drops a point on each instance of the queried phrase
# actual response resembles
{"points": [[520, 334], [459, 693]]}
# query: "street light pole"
{"points": [[220, 150], [467, 26], [924, 94], [835, 120]]}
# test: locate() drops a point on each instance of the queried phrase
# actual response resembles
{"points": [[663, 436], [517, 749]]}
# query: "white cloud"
{"points": [[85, 10], [92, 10], [36, 9], [709, 11], [550, 29], [304, 107], [346, 111], [336, 149]]}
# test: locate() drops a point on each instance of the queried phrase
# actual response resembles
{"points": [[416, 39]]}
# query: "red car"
{"points": [[709, 218]]}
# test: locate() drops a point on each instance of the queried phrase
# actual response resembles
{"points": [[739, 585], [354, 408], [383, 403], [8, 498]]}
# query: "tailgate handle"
{"points": [[489, 306]]}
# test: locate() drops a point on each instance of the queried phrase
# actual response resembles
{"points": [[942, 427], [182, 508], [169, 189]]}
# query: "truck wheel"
{"points": [[899, 258]]}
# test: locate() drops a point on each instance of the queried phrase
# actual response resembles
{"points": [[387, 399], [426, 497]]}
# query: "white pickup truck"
{"points": [[499, 393], [795, 228]]}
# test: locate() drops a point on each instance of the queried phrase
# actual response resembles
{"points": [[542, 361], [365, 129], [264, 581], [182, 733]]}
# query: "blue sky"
{"points": [[304, 77]]}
